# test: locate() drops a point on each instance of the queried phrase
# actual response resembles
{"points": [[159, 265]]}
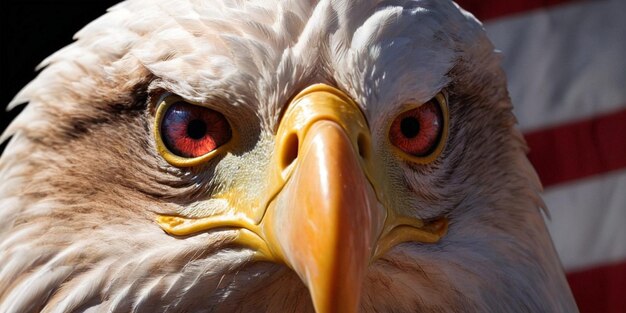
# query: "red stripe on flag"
{"points": [[579, 149], [490, 9], [600, 289]]}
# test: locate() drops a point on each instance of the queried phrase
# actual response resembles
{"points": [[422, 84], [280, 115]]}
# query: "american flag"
{"points": [[566, 65]]}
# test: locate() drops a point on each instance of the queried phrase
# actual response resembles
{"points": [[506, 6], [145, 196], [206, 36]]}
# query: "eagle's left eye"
{"points": [[186, 132], [420, 132]]}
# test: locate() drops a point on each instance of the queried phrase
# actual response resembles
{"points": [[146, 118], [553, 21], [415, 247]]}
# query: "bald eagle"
{"points": [[257, 156]]}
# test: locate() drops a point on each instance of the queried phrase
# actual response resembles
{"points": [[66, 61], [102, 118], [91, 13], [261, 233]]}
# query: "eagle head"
{"points": [[290, 156]]}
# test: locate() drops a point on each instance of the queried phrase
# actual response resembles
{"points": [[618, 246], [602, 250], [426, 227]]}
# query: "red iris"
{"points": [[418, 131], [191, 131]]}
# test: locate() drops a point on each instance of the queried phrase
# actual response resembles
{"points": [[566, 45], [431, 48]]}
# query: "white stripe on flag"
{"points": [[564, 63], [588, 220]]}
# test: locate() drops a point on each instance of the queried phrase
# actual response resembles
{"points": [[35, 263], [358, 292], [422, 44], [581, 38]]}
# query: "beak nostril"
{"points": [[290, 150], [363, 145]]}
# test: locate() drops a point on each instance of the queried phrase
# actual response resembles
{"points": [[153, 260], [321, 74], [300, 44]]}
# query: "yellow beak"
{"points": [[325, 221], [325, 217]]}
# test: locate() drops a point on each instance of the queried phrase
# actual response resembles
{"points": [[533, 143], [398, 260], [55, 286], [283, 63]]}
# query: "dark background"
{"points": [[31, 30]]}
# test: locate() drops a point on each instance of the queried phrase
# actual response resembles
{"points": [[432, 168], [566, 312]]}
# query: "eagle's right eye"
{"points": [[187, 132]]}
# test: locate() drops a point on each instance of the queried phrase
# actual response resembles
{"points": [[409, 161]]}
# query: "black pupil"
{"points": [[196, 129], [410, 127]]}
